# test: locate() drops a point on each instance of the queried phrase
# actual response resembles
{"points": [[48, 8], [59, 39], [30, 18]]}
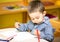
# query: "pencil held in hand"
{"points": [[38, 35], [17, 24]]}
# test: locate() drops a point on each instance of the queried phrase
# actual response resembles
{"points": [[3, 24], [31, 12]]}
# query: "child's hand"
{"points": [[17, 24], [35, 32]]}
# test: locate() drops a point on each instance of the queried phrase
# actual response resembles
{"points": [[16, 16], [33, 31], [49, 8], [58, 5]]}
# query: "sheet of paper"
{"points": [[23, 36], [20, 36], [26, 37], [6, 33]]}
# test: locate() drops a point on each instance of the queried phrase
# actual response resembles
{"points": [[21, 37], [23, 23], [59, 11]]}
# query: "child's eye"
{"points": [[32, 18]]}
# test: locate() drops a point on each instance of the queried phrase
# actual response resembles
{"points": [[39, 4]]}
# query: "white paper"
{"points": [[6, 33], [20, 36], [23, 36], [26, 37]]}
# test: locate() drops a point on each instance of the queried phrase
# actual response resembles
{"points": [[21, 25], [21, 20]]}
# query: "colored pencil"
{"points": [[38, 35]]}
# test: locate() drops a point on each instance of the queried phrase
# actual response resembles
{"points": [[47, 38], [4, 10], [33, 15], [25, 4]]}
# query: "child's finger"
{"points": [[17, 24], [38, 32]]}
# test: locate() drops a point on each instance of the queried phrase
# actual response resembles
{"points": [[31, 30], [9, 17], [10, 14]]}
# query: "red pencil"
{"points": [[38, 35]]}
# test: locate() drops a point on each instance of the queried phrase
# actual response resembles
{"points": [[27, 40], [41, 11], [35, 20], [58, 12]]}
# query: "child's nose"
{"points": [[37, 17]]}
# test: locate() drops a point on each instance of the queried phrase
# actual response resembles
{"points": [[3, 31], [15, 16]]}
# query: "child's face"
{"points": [[36, 17]]}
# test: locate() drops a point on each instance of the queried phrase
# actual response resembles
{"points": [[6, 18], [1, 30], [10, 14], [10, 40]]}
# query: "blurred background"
{"points": [[12, 11]]}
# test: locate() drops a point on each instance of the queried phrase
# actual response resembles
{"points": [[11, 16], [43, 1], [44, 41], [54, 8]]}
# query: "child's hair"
{"points": [[36, 5]]}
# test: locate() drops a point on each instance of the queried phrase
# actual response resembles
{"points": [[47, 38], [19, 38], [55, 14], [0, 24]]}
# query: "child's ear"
{"points": [[44, 13]]}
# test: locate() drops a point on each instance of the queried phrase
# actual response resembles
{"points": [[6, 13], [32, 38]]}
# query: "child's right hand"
{"points": [[17, 24], [35, 32]]}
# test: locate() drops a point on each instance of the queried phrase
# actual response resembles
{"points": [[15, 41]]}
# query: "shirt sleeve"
{"points": [[48, 33], [23, 27]]}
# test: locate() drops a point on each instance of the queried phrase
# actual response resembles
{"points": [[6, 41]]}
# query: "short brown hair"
{"points": [[34, 5]]}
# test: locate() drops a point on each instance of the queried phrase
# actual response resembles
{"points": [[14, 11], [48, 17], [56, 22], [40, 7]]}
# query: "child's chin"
{"points": [[37, 23]]}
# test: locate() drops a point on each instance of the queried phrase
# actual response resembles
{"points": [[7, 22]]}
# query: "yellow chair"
{"points": [[56, 26]]}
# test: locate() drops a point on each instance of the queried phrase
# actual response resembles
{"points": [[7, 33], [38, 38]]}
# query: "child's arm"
{"points": [[21, 27], [48, 32]]}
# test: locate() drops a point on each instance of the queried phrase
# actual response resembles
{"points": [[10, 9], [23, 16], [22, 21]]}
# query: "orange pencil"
{"points": [[38, 36]]}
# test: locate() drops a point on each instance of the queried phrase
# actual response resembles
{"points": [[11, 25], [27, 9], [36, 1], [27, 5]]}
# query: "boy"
{"points": [[38, 21]]}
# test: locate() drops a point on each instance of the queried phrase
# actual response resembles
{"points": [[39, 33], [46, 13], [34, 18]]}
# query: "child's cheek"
{"points": [[33, 21], [40, 19]]}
